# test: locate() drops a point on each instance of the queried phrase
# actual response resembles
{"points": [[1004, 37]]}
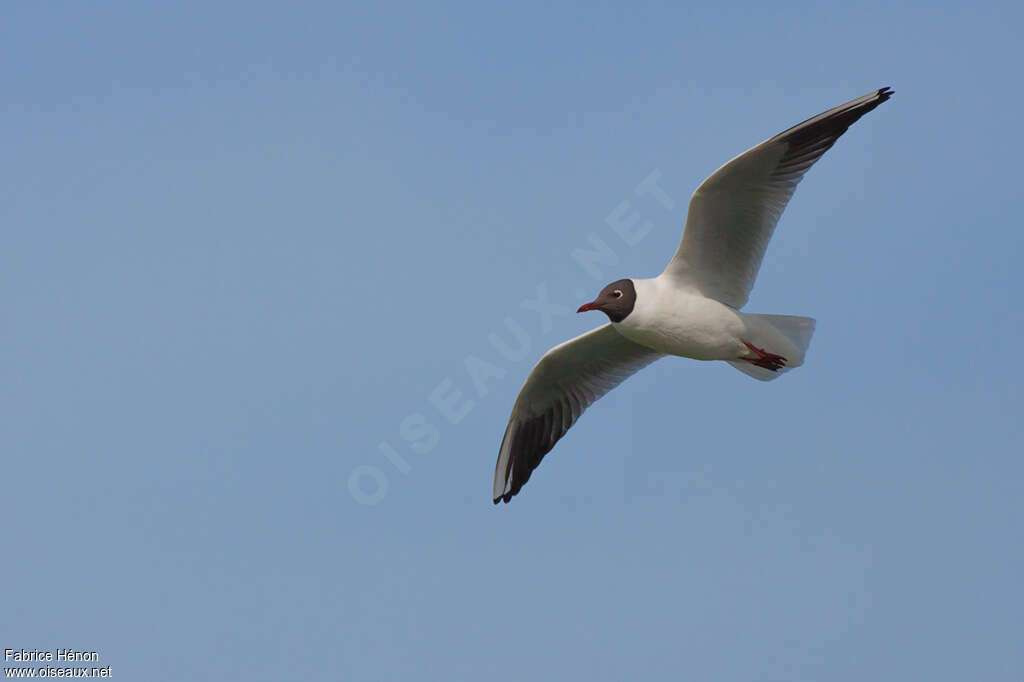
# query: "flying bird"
{"points": [[692, 309]]}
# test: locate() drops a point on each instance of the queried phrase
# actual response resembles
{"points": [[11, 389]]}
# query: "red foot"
{"points": [[765, 359]]}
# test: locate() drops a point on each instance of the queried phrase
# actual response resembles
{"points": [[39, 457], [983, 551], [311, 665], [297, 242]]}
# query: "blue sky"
{"points": [[245, 244]]}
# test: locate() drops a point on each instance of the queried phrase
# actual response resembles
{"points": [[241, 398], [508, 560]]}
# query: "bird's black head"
{"points": [[616, 300]]}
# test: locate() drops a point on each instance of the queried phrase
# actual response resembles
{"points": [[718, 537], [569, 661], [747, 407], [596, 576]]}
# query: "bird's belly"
{"points": [[698, 329]]}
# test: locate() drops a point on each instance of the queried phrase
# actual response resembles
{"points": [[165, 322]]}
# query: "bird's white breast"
{"points": [[682, 322]]}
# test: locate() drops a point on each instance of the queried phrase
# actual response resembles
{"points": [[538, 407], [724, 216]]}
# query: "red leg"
{"points": [[764, 358]]}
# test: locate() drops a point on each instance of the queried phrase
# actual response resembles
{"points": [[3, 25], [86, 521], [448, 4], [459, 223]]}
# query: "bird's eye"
{"points": [[617, 294]]}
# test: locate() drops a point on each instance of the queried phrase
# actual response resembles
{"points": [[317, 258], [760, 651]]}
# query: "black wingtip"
{"points": [[885, 93]]}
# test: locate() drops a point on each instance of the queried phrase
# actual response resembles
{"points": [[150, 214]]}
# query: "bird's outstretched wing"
{"points": [[567, 380], [733, 213]]}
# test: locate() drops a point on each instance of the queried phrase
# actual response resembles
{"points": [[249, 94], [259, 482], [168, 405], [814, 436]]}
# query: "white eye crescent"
{"points": [[617, 293]]}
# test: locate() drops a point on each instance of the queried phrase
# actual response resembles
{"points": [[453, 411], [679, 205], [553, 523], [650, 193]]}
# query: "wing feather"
{"points": [[733, 213], [567, 380]]}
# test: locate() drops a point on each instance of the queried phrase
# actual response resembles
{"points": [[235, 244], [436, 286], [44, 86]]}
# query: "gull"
{"points": [[692, 309]]}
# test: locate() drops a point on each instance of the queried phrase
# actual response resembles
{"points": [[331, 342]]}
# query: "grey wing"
{"points": [[567, 380], [733, 213]]}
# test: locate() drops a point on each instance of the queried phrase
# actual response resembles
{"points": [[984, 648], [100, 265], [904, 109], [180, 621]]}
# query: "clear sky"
{"points": [[244, 245]]}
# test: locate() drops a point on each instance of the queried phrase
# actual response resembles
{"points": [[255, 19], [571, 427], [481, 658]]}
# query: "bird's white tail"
{"points": [[796, 330]]}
